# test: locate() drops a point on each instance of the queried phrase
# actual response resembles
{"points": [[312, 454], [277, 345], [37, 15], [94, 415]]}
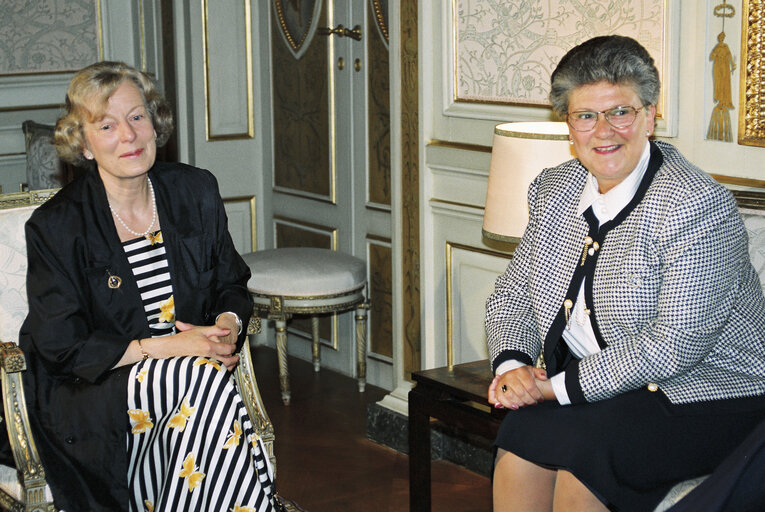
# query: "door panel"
{"points": [[300, 106], [331, 142]]}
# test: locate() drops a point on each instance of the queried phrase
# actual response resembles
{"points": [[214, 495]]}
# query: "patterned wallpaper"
{"points": [[505, 51], [38, 36]]}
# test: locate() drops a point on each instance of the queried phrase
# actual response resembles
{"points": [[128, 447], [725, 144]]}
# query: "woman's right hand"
{"points": [[518, 388], [194, 340]]}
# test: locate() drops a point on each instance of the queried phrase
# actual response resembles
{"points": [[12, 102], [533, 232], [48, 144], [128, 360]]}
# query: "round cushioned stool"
{"points": [[310, 281]]}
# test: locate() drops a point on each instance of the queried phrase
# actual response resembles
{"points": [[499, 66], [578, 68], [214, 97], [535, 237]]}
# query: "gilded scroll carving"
{"points": [[751, 128]]}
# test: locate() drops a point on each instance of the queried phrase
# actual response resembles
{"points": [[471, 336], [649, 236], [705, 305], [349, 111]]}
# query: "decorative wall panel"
{"points": [[241, 222], [297, 23], [380, 17], [301, 116], [227, 48], [381, 297], [505, 51], [47, 36], [410, 186], [470, 276], [379, 115]]}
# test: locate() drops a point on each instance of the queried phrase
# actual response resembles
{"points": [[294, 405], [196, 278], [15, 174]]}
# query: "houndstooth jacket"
{"points": [[675, 303]]}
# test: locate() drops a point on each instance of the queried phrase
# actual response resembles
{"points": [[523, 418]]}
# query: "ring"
{"points": [[504, 388]]}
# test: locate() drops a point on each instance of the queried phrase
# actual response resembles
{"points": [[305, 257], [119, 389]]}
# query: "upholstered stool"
{"points": [[305, 280]]}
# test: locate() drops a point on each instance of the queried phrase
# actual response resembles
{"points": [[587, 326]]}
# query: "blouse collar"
{"points": [[607, 206]]}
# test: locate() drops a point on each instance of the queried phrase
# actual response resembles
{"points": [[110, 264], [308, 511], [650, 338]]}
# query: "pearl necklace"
{"points": [[153, 214]]}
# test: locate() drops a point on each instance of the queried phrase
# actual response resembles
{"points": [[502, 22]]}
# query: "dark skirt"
{"points": [[631, 449]]}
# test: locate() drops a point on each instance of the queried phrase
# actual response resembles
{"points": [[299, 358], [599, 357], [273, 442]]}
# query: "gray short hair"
{"points": [[613, 59]]}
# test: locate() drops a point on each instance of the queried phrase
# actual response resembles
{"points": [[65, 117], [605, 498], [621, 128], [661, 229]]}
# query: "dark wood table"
{"points": [[457, 398]]}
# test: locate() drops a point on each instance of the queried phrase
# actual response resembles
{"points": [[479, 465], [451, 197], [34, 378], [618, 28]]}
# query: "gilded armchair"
{"points": [[24, 487]]}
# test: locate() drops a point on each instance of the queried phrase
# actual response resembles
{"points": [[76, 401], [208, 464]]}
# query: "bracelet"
{"points": [[238, 320], [143, 352]]}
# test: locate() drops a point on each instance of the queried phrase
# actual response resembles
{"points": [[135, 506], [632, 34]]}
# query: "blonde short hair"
{"points": [[87, 98]]}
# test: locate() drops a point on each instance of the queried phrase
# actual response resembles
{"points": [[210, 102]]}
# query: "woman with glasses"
{"points": [[633, 288]]}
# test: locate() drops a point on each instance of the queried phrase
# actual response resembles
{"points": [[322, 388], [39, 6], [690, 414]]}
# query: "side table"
{"points": [[457, 398]]}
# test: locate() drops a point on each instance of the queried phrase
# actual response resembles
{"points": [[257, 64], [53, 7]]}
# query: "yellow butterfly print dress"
{"points": [[141, 421], [233, 436], [167, 311], [189, 472], [184, 413]]}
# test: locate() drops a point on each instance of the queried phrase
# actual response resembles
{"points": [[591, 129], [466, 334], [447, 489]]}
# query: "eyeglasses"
{"points": [[618, 117]]}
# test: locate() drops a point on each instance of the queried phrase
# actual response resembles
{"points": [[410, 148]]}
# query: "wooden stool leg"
{"points": [[361, 346], [281, 348], [315, 348]]}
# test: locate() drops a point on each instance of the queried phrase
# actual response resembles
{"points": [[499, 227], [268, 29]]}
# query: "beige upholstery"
{"points": [[25, 489], [310, 281], [44, 168]]}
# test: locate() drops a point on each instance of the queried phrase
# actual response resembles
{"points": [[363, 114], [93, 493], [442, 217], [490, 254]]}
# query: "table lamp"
{"points": [[520, 151]]}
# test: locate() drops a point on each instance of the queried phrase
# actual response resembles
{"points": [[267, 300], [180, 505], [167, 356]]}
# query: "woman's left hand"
{"points": [[522, 387], [228, 321]]}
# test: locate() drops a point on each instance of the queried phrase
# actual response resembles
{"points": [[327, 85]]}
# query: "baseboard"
{"points": [[390, 428]]}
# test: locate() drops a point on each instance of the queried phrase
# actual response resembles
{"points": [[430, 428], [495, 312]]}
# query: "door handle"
{"points": [[342, 31]]}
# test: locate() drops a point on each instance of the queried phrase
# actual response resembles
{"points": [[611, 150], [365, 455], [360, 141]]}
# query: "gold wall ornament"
{"points": [[380, 11], [723, 65], [297, 20], [751, 117]]}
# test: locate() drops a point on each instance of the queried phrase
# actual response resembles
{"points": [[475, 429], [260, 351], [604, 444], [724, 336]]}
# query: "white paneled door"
{"points": [[330, 140]]}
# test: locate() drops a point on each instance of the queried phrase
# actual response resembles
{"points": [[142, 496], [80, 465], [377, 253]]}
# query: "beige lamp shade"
{"points": [[519, 153]]}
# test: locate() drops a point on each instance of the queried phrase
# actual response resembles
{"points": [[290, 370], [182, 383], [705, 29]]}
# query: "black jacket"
{"points": [[78, 327]]}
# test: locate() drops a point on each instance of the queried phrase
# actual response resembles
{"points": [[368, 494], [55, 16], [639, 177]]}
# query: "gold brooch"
{"points": [[113, 282]]}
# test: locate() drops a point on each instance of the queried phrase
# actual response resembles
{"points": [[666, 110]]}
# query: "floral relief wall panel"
{"points": [[506, 51], [301, 113], [379, 106], [44, 36]]}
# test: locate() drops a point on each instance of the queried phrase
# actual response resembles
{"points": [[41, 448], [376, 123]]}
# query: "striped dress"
{"points": [[191, 445]]}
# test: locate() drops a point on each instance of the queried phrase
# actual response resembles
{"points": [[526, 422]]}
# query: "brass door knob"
{"points": [[341, 31]]}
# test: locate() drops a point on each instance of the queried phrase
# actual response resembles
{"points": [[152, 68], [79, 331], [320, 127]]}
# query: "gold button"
{"points": [[653, 387]]}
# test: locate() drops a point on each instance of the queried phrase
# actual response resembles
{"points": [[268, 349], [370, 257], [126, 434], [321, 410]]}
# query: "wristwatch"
{"points": [[238, 320]]}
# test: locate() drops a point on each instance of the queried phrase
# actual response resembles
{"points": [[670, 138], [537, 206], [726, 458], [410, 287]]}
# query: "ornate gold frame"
{"points": [[751, 117], [380, 19]]}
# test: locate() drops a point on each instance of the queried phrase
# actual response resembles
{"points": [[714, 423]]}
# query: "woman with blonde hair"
{"points": [[137, 299]]}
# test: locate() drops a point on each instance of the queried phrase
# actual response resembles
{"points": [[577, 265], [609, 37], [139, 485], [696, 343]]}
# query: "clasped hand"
{"points": [[215, 341], [520, 387]]}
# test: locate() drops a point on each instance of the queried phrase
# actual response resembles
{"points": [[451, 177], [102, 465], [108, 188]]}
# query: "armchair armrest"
{"points": [[248, 388], [28, 463]]}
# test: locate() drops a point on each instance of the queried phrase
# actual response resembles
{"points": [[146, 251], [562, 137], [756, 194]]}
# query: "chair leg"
{"points": [[361, 346], [315, 346], [281, 348]]}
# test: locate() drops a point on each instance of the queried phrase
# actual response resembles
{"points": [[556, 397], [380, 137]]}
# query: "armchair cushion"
{"points": [[44, 169], [13, 271]]}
